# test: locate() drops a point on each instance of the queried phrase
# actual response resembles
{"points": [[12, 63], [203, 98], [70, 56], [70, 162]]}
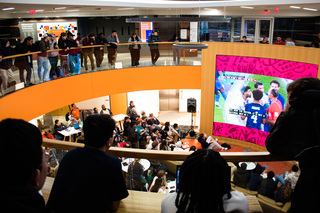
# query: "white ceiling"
{"points": [[91, 8]]}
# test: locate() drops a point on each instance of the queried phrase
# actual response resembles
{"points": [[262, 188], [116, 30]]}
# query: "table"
{"points": [[250, 165], [144, 162], [68, 132], [119, 118]]}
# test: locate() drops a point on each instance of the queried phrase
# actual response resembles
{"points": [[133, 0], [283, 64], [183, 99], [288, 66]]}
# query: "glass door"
{"points": [[257, 28]]}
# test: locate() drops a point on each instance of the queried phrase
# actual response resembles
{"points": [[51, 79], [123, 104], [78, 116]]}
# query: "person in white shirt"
{"points": [[204, 186]]}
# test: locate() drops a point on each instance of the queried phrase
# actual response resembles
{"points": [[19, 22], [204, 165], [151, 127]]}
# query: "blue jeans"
{"points": [[280, 178], [74, 64], [43, 74]]}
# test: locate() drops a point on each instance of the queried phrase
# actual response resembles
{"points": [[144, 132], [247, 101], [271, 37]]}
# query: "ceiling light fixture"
{"points": [[60, 8], [8, 8], [295, 7], [126, 8], [73, 10], [39, 10], [246, 7], [310, 9]]}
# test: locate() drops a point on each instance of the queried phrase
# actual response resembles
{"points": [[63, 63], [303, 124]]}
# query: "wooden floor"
{"points": [[139, 202]]}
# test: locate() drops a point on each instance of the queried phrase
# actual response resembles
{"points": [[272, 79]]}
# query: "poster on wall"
{"points": [[146, 29], [27, 29], [56, 27], [250, 94]]}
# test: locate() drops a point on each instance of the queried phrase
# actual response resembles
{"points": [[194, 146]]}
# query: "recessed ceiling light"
{"points": [[8, 8], [295, 7], [60, 8], [72, 10], [126, 8], [246, 7], [39, 10], [310, 9]]}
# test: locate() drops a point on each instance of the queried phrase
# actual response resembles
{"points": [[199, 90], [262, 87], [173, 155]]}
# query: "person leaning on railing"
{"points": [[89, 180], [296, 135], [23, 166], [87, 52], [6, 64]]}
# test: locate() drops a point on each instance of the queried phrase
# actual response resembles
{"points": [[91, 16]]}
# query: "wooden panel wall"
{"points": [[299, 54]]}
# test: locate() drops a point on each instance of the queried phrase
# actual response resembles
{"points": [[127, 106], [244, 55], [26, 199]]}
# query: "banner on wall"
{"points": [[193, 31], [145, 30], [56, 27]]}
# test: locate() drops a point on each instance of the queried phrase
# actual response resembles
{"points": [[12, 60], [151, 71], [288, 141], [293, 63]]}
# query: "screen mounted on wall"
{"points": [[250, 93]]}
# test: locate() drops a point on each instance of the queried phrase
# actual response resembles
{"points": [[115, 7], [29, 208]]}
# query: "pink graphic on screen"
{"points": [[261, 66]]}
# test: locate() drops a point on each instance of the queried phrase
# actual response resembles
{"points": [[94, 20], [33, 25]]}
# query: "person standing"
{"points": [[53, 57], [99, 51], [130, 108], [42, 58], [6, 64], [264, 40], [244, 39], [25, 62], [176, 51], [79, 42], [135, 49], [113, 42], [154, 48], [64, 53], [88, 179], [74, 60], [87, 52]]}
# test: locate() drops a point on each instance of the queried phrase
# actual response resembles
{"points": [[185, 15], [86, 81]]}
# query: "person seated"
{"points": [[177, 129], [255, 178], [104, 110], [46, 134], [241, 176], [172, 132], [193, 149], [24, 167], [153, 139], [154, 119], [283, 194], [204, 188], [143, 115], [160, 174], [133, 135], [159, 186], [141, 131], [268, 186], [215, 145], [95, 111], [133, 115], [163, 145], [89, 180], [178, 146], [292, 176], [191, 135], [58, 126], [155, 145], [165, 135], [135, 179], [126, 125]]}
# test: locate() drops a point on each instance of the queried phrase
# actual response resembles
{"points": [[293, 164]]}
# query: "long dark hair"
{"points": [[157, 185], [204, 180]]}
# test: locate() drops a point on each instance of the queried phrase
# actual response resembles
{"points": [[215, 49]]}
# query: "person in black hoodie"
{"points": [[24, 167], [25, 62], [241, 176], [296, 135], [154, 49], [6, 64]]}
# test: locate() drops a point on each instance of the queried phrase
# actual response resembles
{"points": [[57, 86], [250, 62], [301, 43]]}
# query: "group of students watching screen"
{"points": [[89, 180]]}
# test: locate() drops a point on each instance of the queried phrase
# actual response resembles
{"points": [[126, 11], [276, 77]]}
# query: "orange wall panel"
{"points": [[34, 101]]}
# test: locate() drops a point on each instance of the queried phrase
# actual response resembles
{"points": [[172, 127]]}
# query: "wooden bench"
{"points": [[140, 202]]}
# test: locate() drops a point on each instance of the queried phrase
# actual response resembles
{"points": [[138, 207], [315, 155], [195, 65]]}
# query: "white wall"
{"points": [[147, 100], [184, 94], [95, 102]]}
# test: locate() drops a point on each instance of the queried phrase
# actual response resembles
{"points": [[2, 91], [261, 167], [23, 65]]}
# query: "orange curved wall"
{"points": [[33, 101]]}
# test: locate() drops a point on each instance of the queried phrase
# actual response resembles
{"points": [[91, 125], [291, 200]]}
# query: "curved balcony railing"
{"points": [[67, 66], [169, 155]]}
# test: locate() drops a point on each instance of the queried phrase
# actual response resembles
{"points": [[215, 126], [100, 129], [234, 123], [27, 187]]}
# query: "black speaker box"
{"points": [[191, 105]]}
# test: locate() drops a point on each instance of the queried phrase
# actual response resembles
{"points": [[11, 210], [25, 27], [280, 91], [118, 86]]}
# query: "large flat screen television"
{"points": [[250, 93]]}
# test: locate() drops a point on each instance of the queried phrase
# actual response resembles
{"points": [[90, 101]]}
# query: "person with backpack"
{"points": [[42, 58]]}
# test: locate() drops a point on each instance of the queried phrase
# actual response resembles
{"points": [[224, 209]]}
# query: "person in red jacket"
{"points": [[46, 134], [279, 41]]}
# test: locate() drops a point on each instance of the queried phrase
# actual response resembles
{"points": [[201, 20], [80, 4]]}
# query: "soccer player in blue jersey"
{"points": [[255, 113]]}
